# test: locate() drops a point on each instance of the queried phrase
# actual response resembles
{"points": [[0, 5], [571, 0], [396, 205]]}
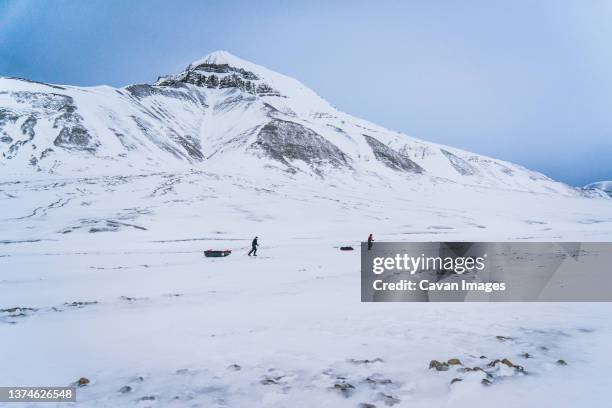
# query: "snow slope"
{"points": [[102, 273]]}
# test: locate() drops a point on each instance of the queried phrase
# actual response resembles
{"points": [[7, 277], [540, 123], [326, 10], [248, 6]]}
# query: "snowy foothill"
{"points": [[604, 186]]}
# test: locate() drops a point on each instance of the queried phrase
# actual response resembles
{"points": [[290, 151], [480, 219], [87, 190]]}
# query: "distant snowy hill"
{"points": [[605, 186], [224, 115]]}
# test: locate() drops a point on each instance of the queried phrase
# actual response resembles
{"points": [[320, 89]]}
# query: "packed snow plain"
{"points": [[113, 286]]}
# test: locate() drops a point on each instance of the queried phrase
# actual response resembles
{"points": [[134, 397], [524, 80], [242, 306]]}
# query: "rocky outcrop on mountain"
{"points": [[287, 142], [61, 109], [220, 76], [142, 91], [391, 158], [463, 167], [6, 117]]}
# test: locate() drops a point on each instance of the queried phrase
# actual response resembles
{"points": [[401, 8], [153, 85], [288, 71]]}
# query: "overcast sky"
{"points": [[525, 81]]}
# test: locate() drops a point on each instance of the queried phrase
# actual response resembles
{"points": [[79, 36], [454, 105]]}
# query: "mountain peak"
{"points": [[221, 57], [223, 70]]}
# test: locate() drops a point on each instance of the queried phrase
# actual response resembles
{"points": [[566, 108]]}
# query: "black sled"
{"points": [[216, 253]]}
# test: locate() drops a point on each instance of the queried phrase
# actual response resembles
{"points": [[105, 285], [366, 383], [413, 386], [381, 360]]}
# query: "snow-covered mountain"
{"points": [[605, 186], [223, 114]]}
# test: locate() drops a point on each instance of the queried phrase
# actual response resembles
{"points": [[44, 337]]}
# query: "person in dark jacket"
{"points": [[370, 240], [254, 246]]}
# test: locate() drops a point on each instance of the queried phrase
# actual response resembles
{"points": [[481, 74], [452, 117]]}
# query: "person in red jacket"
{"points": [[370, 240]]}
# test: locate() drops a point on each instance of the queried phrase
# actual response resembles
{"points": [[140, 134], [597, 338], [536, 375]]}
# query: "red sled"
{"points": [[217, 253]]}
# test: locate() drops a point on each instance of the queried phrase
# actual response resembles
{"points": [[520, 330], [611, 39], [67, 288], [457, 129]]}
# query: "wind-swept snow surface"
{"points": [[104, 278], [102, 273]]}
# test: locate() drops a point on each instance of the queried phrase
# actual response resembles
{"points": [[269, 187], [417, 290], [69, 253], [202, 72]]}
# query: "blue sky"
{"points": [[525, 81]]}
